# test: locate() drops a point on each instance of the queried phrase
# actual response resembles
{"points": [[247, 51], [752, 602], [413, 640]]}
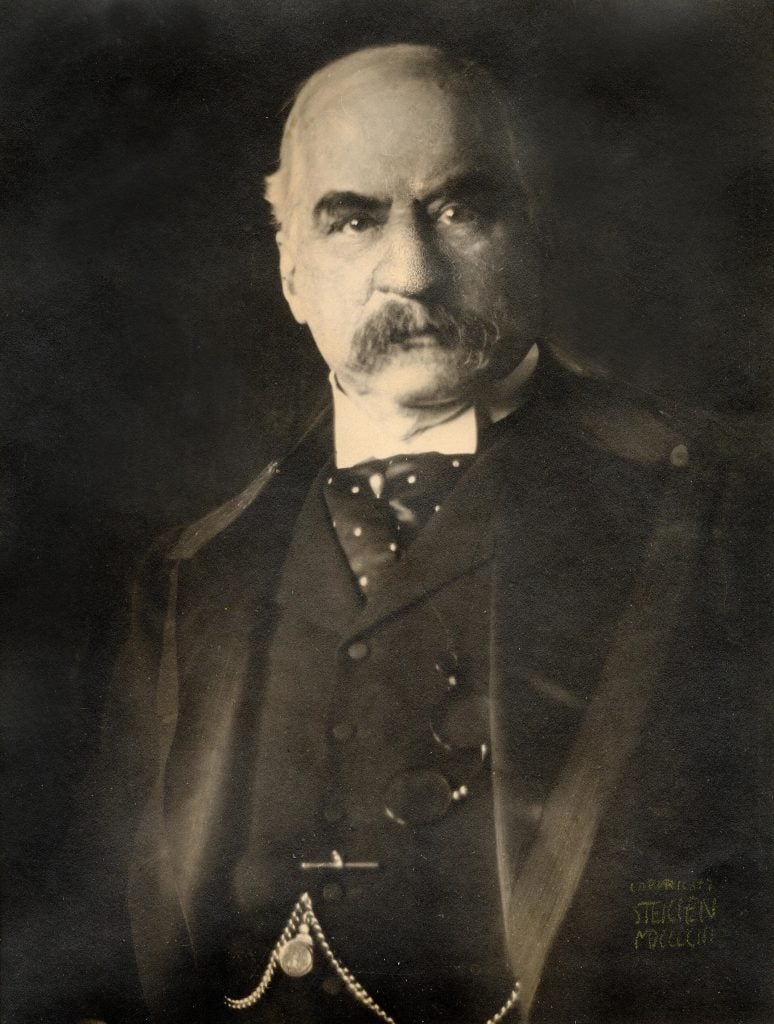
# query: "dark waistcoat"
{"points": [[340, 720]]}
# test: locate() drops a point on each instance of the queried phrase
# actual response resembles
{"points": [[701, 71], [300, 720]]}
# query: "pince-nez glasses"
{"points": [[451, 758]]}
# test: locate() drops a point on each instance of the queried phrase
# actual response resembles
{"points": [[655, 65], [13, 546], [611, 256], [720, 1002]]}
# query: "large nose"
{"points": [[410, 263]]}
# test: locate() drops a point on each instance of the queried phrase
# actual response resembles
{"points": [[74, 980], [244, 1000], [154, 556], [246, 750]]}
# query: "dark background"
{"points": [[149, 366]]}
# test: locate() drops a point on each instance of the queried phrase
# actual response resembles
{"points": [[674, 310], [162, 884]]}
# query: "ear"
{"points": [[288, 274]]}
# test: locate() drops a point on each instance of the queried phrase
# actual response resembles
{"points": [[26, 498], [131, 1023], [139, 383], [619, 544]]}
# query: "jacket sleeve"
{"points": [[86, 968]]}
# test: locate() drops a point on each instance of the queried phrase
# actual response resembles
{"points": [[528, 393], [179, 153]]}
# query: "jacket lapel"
{"points": [[317, 577], [224, 615], [564, 568]]}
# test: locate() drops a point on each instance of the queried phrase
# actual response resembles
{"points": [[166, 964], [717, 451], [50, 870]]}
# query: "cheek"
{"points": [[332, 306], [515, 270], [514, 247], [334, 288], [471, 265], [483, 273], [501, 280]]}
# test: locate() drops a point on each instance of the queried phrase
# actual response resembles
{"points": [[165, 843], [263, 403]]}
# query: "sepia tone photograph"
{"points": [[385, 512]]}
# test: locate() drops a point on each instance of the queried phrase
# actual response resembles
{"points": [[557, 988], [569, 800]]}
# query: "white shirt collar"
{"points": [[358, 437]]}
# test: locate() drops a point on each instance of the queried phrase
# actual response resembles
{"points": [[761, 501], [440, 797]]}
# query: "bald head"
{"points": [[375, 70], [405, 237]]}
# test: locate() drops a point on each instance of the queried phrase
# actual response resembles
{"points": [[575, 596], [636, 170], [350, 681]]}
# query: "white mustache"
{"points": [[470, 336]]}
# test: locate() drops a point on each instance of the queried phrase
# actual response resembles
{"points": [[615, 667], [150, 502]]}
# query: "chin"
{"points": [[417, 377]]}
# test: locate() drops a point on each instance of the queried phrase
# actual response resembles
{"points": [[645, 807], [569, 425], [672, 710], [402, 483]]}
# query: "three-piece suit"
{"points": [[580, 579]]}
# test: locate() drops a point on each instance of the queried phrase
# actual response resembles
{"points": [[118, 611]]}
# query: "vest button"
{"points": [[358, 650], [679, 456], [343, 731]]}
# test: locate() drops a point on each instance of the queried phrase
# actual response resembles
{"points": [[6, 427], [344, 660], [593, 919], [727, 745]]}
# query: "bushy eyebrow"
{"points": [[467, 185], [333, 203]]}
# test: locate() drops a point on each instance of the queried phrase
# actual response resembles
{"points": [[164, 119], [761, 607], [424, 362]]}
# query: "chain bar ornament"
{"points": [[293, 955], [337, 863]]}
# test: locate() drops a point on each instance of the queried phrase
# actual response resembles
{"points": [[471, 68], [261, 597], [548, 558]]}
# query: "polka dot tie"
{"points": [[377, 508]]}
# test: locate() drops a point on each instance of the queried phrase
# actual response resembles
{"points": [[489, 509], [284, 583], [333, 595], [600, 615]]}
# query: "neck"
{"points": [[403, 421]]}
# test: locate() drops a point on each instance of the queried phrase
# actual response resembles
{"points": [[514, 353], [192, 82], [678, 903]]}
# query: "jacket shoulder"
{"points": [[191, 539], [615, 419], [188, 541]]}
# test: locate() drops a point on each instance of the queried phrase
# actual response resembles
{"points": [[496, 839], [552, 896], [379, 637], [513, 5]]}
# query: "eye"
{"points": [[358, 224], [458, 214], [353, 224], [449, 214]]}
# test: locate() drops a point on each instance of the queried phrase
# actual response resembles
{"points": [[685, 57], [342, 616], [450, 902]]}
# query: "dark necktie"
{"points": [[378, 507]]}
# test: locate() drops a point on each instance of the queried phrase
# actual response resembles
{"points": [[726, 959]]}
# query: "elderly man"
{"points": [[410, 738]]}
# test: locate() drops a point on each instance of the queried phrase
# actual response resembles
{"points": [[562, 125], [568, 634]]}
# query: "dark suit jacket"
{"points": [[571, 515]]}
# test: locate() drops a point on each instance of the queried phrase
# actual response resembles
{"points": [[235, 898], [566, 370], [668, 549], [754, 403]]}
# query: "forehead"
{"points": [[388, 133]]}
